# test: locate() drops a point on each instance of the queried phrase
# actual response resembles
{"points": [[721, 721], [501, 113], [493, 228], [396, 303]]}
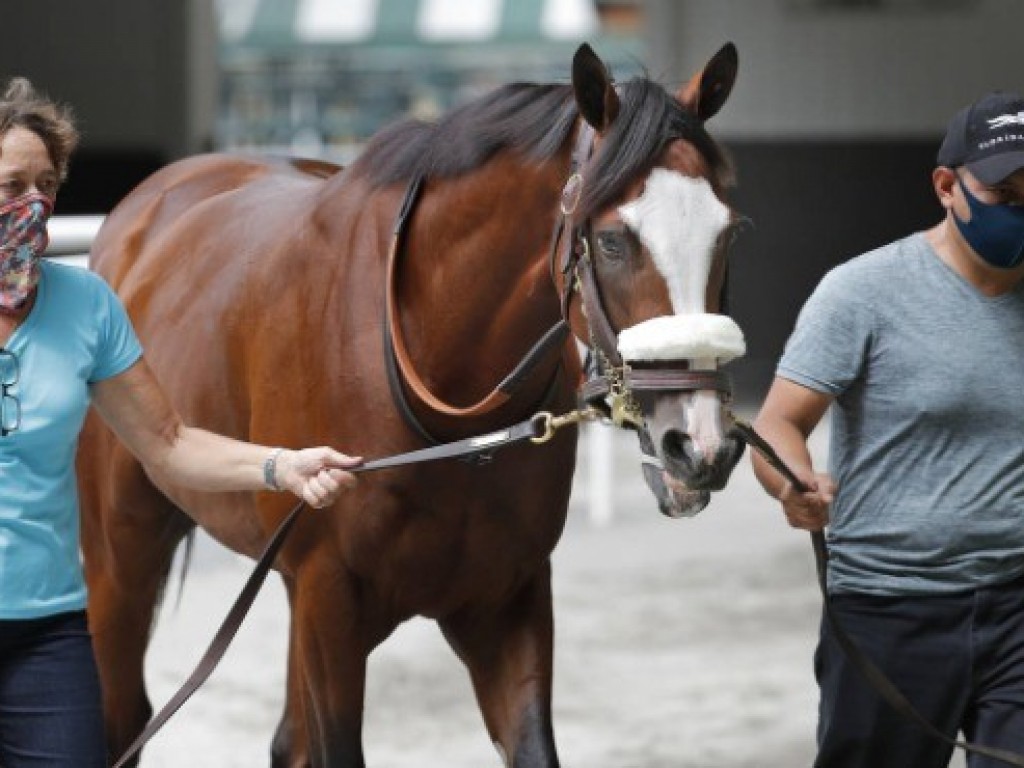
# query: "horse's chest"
{"points": [[433, 547]]}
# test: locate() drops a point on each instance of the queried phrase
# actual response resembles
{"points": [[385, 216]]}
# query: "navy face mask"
{"points": [[995, 231]]}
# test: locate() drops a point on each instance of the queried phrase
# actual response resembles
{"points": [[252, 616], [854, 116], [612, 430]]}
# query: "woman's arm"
{"points": [[788, 416], [137, 410]]}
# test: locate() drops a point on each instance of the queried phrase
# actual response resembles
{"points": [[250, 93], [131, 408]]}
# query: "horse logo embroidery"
{"points": [[1005, 120]]}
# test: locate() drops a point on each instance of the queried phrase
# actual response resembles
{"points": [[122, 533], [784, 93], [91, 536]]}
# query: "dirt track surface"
{"points": [[679, 644]]}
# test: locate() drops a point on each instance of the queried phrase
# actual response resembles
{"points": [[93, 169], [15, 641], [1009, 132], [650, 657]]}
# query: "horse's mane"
{"points": [[536, 120]]}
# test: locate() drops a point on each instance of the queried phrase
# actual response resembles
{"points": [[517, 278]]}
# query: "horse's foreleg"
{"points": [[508, 651], [328, 642], [289, 748]]}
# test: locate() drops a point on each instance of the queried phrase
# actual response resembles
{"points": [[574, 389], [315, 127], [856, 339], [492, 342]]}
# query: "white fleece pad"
{"points": [[678, 218], [683, 337]]}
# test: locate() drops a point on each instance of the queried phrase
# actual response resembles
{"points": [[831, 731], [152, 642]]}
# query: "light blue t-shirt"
{"points": [[927, 440], [76, 334]]}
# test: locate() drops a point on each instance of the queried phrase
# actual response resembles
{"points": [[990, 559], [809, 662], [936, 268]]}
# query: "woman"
{"points": [[66, 342]]}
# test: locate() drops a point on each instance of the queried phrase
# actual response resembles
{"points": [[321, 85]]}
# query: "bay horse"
{"points": [[278, 301]]}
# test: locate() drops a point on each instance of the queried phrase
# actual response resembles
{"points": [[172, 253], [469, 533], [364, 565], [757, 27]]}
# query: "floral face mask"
{"points": [[23, 239]]}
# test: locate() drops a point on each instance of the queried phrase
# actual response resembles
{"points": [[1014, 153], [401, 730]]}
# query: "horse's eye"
{"points": [[612, 245]]}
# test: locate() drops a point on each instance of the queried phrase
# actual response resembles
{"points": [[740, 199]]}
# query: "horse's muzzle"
{"points": [[685, 462]]}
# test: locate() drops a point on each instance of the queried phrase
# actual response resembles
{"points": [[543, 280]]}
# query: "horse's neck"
{"points": [[475, 285]]}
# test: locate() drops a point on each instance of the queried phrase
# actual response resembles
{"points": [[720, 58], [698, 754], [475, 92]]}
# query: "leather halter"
{"points": [[613, 383], [611, 387]]}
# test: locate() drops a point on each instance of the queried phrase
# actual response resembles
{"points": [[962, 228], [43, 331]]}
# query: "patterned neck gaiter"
{"points": [[23, 239]]}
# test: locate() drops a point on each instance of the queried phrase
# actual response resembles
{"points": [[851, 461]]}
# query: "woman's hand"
{"points": [[315, 475]]}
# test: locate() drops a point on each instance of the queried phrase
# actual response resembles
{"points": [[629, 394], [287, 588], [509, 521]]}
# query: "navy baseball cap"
{"points": [[987, 137]]}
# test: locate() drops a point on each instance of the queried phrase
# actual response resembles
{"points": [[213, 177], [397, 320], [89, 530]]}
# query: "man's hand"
{"points": [[808, 510]]}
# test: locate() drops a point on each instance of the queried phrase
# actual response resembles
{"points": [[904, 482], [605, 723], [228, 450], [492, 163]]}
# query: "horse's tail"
{"points": [[186, 561], [188, 542]]}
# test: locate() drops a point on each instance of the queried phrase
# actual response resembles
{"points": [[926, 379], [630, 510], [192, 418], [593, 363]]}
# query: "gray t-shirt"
{"points": [[927, 443]]}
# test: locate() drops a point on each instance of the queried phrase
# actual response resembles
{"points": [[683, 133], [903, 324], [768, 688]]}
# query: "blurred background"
{"points": [[833, 124]]}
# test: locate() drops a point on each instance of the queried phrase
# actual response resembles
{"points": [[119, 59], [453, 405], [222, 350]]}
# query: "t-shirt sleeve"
{"points": [[830, 344], [119, 347]]}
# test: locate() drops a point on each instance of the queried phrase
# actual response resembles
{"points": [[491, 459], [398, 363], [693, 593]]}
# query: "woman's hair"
{"points": [[22, 107]]}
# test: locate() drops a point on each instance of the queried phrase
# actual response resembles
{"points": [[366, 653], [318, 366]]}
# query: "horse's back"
{"points": [[159, 202], [194, 253]]}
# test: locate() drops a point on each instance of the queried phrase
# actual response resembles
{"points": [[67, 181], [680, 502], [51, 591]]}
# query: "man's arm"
{"points": [[789, 415]]}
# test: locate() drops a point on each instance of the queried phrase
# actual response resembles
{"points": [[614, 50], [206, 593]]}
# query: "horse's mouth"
{"points": [[679, 500], [675, 498]]}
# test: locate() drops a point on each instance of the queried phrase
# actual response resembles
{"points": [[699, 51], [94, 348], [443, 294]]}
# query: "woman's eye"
{"points": [[612, 245]]}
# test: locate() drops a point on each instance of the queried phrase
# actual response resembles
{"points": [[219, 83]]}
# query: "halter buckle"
{"points": [[571, 193], [623, 408]]}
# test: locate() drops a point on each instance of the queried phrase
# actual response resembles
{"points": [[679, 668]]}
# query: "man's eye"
{"points": [[612, 245]]}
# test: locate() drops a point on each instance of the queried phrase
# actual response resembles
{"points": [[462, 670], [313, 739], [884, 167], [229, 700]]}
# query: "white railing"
{"points": [[71, 238]]}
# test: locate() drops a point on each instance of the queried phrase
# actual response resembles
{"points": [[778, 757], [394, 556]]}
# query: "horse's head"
{"points": [[646, 255]]}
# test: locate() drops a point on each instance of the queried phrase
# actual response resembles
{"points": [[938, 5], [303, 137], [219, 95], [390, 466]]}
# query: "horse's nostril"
{"points": [[677, 449]]}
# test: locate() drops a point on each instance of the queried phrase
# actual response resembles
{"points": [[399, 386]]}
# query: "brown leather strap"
{"points": [[398, 353], [875, 677], [525, 430], [668, 379], [602, 333], [659, 380]]}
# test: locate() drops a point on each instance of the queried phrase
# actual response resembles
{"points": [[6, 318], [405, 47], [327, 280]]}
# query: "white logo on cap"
{"points": [[1004, 120]]}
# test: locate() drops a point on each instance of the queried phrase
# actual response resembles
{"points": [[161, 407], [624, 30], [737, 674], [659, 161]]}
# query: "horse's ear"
{"points": [[592, 85], [708, 89]]}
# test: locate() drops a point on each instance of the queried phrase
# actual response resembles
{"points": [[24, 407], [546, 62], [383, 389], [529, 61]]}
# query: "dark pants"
{"points": [[50, 705], [959, 659]]}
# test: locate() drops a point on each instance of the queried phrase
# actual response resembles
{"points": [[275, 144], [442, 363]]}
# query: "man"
{"points": [[920, 347]]}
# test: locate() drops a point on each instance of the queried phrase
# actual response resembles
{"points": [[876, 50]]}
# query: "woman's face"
{"points": [[25, 166]]}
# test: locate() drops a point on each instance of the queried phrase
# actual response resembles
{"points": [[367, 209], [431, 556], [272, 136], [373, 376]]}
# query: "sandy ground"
{"points": [[679, 643]]}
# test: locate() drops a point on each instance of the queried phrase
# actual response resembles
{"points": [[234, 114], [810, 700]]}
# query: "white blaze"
{"points": [[678, 218]]}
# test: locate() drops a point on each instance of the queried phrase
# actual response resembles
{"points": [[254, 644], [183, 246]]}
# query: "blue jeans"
{"points": [[50, 704], [959, 659]]}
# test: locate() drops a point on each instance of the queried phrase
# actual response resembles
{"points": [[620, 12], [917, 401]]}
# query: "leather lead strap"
{"points": [[490, 442], [875, 677]]}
